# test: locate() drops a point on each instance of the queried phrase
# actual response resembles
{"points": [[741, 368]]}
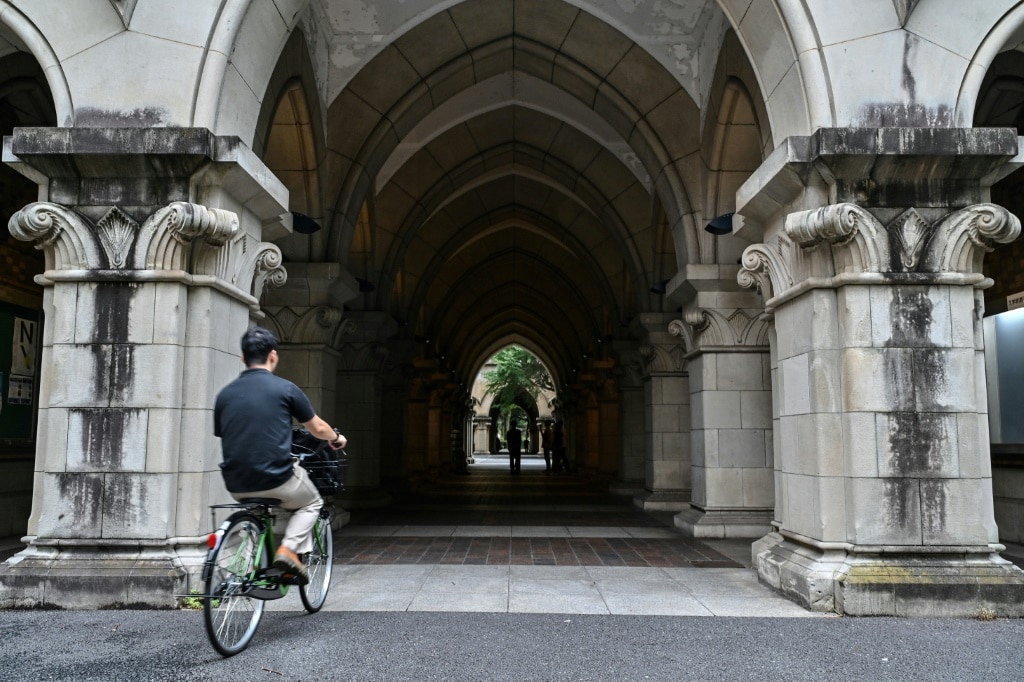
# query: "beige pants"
{"points": [[297, 495]]}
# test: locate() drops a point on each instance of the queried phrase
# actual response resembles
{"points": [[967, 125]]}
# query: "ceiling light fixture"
{"points": [[303, 224], [720, 225]]}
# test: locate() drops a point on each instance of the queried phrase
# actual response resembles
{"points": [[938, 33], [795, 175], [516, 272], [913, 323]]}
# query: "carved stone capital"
{"points": [[186, 237], [769, 267], [65, 238], [961, 239], [659, 358], [182, 239], [316, 325], [709, 329], [363, 357], [846, 244]]}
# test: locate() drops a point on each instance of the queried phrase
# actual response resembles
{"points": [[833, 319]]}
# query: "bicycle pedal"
{"points": [[294, 579]]}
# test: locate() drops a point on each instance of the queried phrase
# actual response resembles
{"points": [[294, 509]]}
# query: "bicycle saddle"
{"points": [[268, 501]]}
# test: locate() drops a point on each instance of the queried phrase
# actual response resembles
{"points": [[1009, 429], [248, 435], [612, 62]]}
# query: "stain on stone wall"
{"points": [[900, 494], [104, 430], [103, 436], [114, 356], [934, 506], [124, 504], [84, 495], [904, 115], [136, 118], [911, 316], [917, 441]]}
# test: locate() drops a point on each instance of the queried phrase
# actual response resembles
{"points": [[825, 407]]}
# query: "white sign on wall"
{"points": [[23, 353], [1014, 301]]}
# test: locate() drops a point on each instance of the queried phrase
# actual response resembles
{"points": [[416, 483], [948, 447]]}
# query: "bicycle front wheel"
{"points": [[320, 564], [230, 614]]}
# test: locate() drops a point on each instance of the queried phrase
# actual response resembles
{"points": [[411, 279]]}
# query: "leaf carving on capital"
{"points": [[363, 357], [348, 327], [685, 328], [661, 359], [65, 238], [186, 237], [268, 269], [961, 239], [328, 316], [910, 234], [308, 325], [116, 232], [769, 267], [857, 241], [715, 328]]}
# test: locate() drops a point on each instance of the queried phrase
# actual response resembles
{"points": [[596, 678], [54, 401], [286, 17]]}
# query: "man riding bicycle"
{"points": [[253, 418]]}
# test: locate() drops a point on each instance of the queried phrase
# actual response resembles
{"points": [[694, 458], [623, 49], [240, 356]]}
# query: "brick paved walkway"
{"points": [[534, 519], [532, 551]]}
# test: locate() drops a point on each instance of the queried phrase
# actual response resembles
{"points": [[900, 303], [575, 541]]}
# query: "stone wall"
{"points": [[1007, 482], [15, 496], [1003, 265]]}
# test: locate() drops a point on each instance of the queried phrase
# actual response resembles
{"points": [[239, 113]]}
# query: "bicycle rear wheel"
{"points": [[230, 614], [319, 563]]}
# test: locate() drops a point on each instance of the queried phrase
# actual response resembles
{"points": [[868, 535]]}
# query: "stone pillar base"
{"points": [[341, 519], [626, 488], [662, 501], [723, 523], [362, 498], [100, 577], [856, 583]]}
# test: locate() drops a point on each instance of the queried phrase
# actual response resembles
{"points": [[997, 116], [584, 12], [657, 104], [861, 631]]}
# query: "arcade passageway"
{"points": [[536, 543], [748, 239]]}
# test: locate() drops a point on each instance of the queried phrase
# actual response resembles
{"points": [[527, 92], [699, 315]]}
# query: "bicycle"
{"points": [[237, 574]]}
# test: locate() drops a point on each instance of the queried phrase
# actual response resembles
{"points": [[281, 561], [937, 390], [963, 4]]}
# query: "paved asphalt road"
{"points": [[155, 645]]}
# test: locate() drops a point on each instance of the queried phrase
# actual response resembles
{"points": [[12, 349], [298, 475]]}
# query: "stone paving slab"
{"points": [[732, 592]]}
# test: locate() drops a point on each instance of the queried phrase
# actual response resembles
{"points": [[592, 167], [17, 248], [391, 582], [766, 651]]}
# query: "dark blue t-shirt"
{"points": [[253, 418]]}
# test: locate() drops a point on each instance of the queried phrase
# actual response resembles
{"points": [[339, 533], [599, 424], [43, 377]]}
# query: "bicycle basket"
{"points": [[325, 468]]}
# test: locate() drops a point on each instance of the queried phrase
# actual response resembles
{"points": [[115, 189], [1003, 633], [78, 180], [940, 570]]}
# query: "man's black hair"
{"points": [[256, 346]]}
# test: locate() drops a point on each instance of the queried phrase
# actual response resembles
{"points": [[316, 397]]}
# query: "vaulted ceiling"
{"points": [[511, 171]]}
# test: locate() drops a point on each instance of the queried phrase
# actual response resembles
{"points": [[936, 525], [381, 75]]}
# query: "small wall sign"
{"points": [[1014, 301]]}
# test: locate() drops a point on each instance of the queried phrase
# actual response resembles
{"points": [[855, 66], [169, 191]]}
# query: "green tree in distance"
{"points": [[518, 374]]}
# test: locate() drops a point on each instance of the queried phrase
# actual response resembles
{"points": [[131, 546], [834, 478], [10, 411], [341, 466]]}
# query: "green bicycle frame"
{"points": [[261, 585]]}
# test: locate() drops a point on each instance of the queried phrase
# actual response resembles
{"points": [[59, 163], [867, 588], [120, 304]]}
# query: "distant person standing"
{"points": [[558, 445], [545, 440], [514, 438]]}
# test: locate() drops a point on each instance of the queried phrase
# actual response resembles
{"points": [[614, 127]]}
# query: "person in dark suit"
{"points": [[545, 439], [558, 445], [514, 438]]}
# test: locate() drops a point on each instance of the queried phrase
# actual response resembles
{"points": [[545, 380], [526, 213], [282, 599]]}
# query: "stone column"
{"points": [[667, 476], [397, 381], [415, 440], [731, 419], [632, 439], [885, 491], [154, 267], [306, 316], [362, 364]]}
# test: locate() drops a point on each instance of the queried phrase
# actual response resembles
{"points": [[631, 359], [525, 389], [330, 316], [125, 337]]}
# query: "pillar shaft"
{"points": [[883, 467], [144, 306], [667, 473]]}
